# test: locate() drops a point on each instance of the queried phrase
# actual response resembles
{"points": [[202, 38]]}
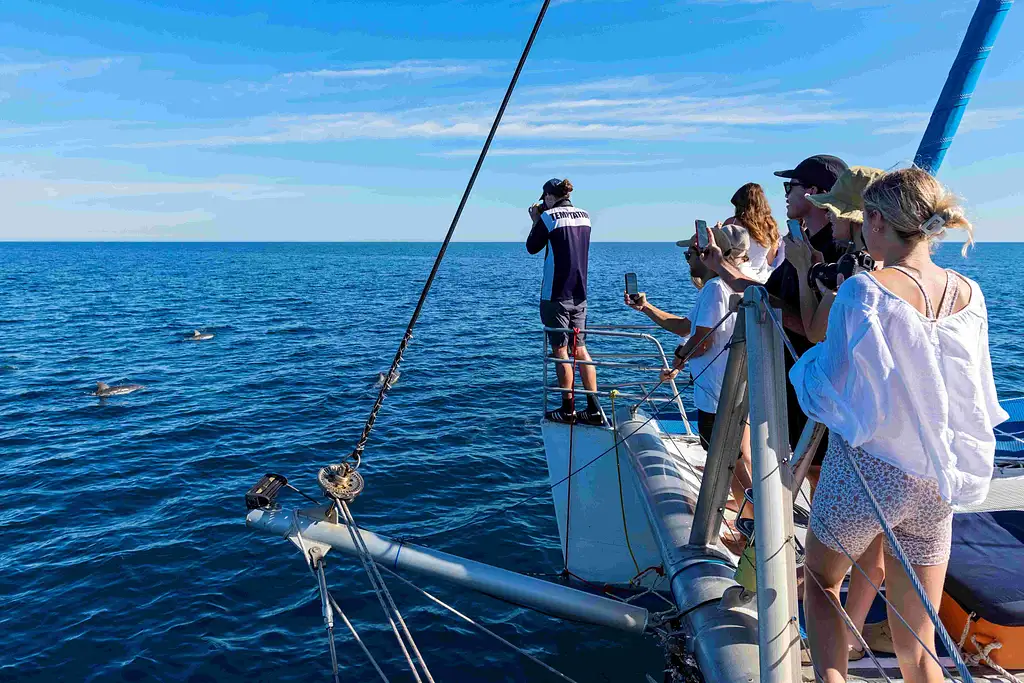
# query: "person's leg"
{"points": [[742, 479], [860, 594], [916, 664], [577, 313], [564, 370], [588, 374], [826, 630], [553, 315]]}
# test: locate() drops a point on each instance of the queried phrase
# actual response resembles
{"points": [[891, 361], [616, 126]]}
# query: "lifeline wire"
{"points": [[477, 625], [573, 473], [358, 452]]}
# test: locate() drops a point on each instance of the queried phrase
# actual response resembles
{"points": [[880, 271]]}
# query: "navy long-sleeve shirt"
{"points": [[566, 230]]}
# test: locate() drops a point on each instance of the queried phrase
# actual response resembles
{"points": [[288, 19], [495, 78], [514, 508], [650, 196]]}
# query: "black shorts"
{"points": [[567, 314], [705, 427]]}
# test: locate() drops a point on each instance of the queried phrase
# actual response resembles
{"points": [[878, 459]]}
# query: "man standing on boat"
{"points": [[563, 230]]}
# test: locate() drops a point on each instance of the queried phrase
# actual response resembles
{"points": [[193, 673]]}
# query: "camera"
{"points": [[848, 265]]}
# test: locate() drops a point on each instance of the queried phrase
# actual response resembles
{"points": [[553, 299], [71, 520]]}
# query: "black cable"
{"points": [[357, 453]]}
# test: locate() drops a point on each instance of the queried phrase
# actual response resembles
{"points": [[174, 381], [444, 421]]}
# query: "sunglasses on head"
{"points": [[790, 184]]}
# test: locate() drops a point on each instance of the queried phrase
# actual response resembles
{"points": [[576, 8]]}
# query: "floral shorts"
{"points": [[842, 516]]}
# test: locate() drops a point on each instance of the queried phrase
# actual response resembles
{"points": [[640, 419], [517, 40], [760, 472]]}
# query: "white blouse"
{"points": [[914, 392], [758, 267]]}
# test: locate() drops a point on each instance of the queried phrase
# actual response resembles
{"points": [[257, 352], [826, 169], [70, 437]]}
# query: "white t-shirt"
{"points": [[914, 392], [708, 369]]}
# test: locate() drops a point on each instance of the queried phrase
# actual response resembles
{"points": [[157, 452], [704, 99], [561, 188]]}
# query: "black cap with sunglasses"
{"points": [[820, 171]]}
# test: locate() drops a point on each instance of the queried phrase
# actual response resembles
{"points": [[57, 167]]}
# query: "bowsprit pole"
{"points": [[963, 77], [357, 453]]}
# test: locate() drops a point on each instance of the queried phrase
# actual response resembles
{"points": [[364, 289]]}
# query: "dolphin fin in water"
{"points": [[104, 390]]}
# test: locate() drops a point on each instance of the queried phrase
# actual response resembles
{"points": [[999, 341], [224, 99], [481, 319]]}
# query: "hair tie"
{"points": [[933, 225]]}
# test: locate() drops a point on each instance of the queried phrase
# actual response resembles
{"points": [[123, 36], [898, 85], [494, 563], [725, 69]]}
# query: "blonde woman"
{"points": [[904, 383]]}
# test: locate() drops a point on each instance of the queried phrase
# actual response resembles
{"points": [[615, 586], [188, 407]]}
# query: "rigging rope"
{"points": [[359, 641], [618, 473], [572, 423], [944, 636], [387, 603], [357, 453], [476, 624]]}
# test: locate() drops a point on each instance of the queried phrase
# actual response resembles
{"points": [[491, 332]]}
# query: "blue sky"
{"points": [[315, 120]]}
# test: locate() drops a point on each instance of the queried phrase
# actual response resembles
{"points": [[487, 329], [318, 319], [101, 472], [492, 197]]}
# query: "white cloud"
{"points": [[525, 152], [61, 69], [638, 118], [405, 68], [974, 119], [28, 189]]}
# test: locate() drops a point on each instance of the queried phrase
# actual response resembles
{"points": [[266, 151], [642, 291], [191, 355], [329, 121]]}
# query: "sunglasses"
{"points": [[790, 184]]}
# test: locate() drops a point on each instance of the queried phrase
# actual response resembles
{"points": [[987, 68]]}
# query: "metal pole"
{"points": [[960, 83], [722, 638], [725, 442], [803, 456], [543, 596], [778, 627]]}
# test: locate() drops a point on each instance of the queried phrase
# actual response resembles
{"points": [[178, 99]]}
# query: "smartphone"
{"points": [[702, 235], [795, 230], [631, 287]]}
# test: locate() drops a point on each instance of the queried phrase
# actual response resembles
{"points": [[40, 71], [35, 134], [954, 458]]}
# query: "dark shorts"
{"points": [[566, 314], [705, 427]]}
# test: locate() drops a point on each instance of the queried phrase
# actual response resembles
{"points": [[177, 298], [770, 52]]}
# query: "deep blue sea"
{"points": [[124, 551]]}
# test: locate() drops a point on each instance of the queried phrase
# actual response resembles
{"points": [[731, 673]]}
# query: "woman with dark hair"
{"points": [[754, 214]]}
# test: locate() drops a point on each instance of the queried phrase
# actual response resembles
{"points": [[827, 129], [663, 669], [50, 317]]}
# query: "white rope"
{"points": [[379, 589], [897, 549], [984, 651], [947, 641], [476, 624], [885, 599]]}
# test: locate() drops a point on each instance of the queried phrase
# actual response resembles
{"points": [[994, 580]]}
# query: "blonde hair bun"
{"points": [[909, 197]]}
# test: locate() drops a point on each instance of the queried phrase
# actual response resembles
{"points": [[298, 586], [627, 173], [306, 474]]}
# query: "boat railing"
{"points": [[653, 393]]}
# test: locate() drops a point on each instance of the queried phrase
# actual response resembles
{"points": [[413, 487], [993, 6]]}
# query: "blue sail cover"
{"points": [[986, 565]]}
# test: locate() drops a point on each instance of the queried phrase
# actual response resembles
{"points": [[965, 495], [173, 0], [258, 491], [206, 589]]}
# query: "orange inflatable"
{"points": [[1009, 656]]}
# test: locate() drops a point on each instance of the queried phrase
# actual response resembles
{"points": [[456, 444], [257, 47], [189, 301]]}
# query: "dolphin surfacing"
{"points": [[105, 390], [199, 336]]}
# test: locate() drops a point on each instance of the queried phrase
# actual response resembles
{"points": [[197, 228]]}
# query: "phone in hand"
{"points": [[702, 234], [631, 287], [796, 230]]}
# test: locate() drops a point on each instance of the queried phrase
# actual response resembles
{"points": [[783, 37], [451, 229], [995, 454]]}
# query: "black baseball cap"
{"points": [[821, 171], [552, 187]]}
